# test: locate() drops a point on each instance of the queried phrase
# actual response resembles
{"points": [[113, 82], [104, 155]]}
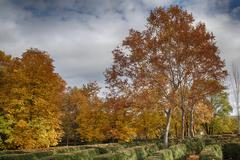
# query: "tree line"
{"points": [[167, 80]]}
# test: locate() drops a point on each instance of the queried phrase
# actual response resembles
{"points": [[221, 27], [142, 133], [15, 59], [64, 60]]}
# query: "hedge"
{"points": [[194, 145], [231, 151], [164, 154], [107, 148], [151, 149], [81, 155], [110, 156], [133, 153], [26, 156], [179, 151], [211, 152]]}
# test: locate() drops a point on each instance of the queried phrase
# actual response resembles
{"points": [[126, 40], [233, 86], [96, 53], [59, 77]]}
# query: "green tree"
{"points": [[222, 122]]}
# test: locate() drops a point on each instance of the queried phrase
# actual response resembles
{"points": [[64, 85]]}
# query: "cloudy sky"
{"points": [[80, 34]]}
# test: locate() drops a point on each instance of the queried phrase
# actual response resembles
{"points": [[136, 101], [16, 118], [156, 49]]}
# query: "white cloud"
{"points": [[80, 34]]}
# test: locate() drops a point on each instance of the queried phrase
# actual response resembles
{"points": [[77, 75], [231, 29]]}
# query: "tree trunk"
{"points": [[67, 140], [238, 114], [168, 121], [191, 132], [183, 124], [176, 130]]}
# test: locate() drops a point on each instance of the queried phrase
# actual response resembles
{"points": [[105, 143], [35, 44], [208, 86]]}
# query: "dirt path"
{"points": [[193, 157]]}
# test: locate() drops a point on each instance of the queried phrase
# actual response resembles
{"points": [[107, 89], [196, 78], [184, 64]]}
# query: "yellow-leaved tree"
{"points": [[31, 97]]}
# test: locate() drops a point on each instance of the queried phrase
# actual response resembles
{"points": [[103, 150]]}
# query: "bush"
{"points": [[158, 142], [133, 153], [165, 154], [26, 156], [129, 153], [67, 149], [140, 152], [107, 148], [151, 149], [179, 151], [231, 151], [211, 152], [110, 156], [81, 155], [12, 152], [194, 145]]}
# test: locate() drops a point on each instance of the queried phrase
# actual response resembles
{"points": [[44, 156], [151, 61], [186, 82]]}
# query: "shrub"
{"points": [[194, 145], [26, 156], [165, 154], [179, 151], [81, 155], [68, 149], [151, 149], [12, 152], [231, 151], [129, 153], [211, 152], [110, 156], [107, 148], [140, 152]]}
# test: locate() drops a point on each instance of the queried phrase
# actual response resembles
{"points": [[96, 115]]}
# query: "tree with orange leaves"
{"points": [[30, 99], [167, 57]]}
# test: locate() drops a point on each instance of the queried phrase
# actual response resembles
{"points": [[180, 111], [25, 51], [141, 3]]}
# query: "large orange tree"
{"points": [[168, 57], [30, 99]]}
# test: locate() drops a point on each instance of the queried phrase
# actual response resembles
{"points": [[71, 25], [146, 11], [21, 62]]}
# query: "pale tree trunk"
{"points": [[168, 121], [235, 79], [191, 123], [67, 140]]}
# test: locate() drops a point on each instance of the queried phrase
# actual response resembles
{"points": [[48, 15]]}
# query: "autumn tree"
{"points": [[5, 129], [31, 101], [147, 117], [169, 56], [71, 110], [122, 127], [85, 117]]}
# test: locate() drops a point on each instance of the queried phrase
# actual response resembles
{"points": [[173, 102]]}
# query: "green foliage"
{"points": [[110, 156], [26, 156], [165, 154], [179, 151], [108, 148], [222, 122], [5, 130], [211, 152], [194, 145], [133, 153], [151, 149], [129, 153], [231, 151], [81, 155]]}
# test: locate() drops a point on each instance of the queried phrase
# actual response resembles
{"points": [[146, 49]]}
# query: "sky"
{"points": [[80, 34]]}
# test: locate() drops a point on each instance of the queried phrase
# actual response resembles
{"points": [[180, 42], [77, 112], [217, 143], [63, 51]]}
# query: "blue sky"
{"points": [[80, 34]]}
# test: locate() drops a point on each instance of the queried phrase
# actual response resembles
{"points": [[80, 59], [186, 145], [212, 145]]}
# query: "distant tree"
{"points": [[85, 114], [70, 111], [122, 127], [221, 122]]}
